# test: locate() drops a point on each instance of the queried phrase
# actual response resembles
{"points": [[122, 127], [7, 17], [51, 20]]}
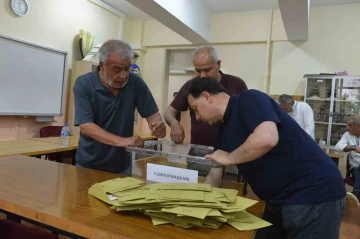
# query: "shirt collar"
{"points": [[227, 111]]}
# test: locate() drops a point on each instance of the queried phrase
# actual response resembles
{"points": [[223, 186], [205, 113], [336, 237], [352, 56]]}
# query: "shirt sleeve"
{"points": [[180, 102], [83, 107], [343, 142], [242, 85], [256, 108], [144, 101], [309, 121]]}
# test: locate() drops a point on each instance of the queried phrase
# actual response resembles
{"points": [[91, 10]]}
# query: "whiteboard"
{"points": [[31, 78]]}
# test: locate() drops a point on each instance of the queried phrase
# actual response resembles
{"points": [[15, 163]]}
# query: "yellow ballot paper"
{"points": [[96, 190], [181, 204], [189, 211], [121, 184], [251, 222]]}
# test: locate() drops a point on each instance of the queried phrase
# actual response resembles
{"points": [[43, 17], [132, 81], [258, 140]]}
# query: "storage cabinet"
{"points": [[333, 99], [79, 68]]}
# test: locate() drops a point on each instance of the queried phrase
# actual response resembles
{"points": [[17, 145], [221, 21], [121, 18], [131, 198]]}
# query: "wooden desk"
{"points": [[334, 154], [73, 141], [29, 147], [56, 195]]}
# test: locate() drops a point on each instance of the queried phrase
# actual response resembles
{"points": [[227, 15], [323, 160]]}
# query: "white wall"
{"points": [[53, 23]]}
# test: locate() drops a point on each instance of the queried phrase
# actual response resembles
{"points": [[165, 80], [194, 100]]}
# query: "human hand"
{"points": [[177, 133], [134, 141], [220, 156], [158, 129]]}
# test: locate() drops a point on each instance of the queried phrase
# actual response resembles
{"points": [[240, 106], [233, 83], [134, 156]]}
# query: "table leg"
{"points": [[58, 157]]}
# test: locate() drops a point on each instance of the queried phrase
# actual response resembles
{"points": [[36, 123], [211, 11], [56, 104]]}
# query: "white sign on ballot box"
{"points": [[166, 174]]}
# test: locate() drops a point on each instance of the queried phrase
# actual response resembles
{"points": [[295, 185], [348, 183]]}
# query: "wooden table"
{"points": [[56, 195], [29, 147], [334, 154], [73, 141]]}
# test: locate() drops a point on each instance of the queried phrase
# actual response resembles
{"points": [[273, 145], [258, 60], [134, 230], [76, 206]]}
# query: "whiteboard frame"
{"points": [[63, 81]]}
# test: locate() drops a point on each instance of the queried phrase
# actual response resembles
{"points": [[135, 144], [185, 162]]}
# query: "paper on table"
{"points": [[229, 193], [159, 221], [199, 206], [252, 223], [200, 213], [96, 190], [121, 184], [181, 186], [239, 205]]}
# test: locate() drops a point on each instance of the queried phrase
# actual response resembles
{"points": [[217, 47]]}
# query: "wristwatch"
{"points": [[353, 147]]}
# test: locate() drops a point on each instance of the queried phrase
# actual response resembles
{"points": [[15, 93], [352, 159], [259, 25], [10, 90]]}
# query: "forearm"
{"points": [[99, 134], [347, 148], [170, 116], [214, 177], [156, 117]]}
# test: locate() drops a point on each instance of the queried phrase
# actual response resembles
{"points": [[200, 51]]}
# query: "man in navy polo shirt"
{"points": [[303, 189], [105, 101]]}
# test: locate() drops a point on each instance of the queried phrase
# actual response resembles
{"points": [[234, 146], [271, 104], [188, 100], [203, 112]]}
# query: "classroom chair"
{"points": [[55, 131], [349, 179], [13, 230]]}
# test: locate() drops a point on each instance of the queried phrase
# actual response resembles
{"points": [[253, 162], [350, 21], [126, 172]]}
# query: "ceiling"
{"points": [[222, 6]]}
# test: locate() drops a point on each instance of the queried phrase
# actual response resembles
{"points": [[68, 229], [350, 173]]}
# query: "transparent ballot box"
{"points": [[167, 153]]}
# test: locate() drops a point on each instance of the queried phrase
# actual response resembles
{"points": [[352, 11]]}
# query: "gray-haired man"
{"points": [[105, 101], [206, 64], [301, 112]]}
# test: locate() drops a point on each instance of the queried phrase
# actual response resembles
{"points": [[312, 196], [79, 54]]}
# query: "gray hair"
{"points": [[124, 49], [355, 119], [210, 49], [287, 99]]}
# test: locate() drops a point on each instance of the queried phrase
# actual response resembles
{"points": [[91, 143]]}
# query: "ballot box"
{"points": [[167, 153]]}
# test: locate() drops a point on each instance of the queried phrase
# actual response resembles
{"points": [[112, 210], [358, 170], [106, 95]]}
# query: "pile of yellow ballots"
{"points": [[182, 204]]}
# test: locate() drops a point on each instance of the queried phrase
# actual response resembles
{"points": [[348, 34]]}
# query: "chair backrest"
{"points": [[11, 230], [50, 131]]}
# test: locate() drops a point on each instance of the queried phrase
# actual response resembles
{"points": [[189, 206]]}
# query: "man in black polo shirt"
{"points": [[105, 101], [303, 189]]}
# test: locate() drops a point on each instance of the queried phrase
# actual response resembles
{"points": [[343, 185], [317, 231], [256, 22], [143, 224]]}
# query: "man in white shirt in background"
{"points": [[301, 112], [349, 142]]}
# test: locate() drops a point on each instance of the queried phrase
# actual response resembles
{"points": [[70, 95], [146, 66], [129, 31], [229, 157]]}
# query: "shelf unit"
{"points": [[333, 99]]}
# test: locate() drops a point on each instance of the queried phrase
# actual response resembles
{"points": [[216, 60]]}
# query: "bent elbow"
{"points": [[272, 141]]}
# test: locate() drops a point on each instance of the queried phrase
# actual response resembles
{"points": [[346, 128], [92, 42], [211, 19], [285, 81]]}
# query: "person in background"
{"points": [[303, 189], [349, 142], [301, 112], [135, 69], [206, 64], [105, 101]]}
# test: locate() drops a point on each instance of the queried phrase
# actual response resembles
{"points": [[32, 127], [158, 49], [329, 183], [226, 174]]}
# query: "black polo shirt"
{"points": [[96, 104], [296, 170]]}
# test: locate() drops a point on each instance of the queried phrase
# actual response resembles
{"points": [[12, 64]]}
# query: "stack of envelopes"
{"points": [[182, 204]]}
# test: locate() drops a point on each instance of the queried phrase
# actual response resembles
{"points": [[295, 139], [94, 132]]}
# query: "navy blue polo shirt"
{"points": [[94, 103], [296, 170]]}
